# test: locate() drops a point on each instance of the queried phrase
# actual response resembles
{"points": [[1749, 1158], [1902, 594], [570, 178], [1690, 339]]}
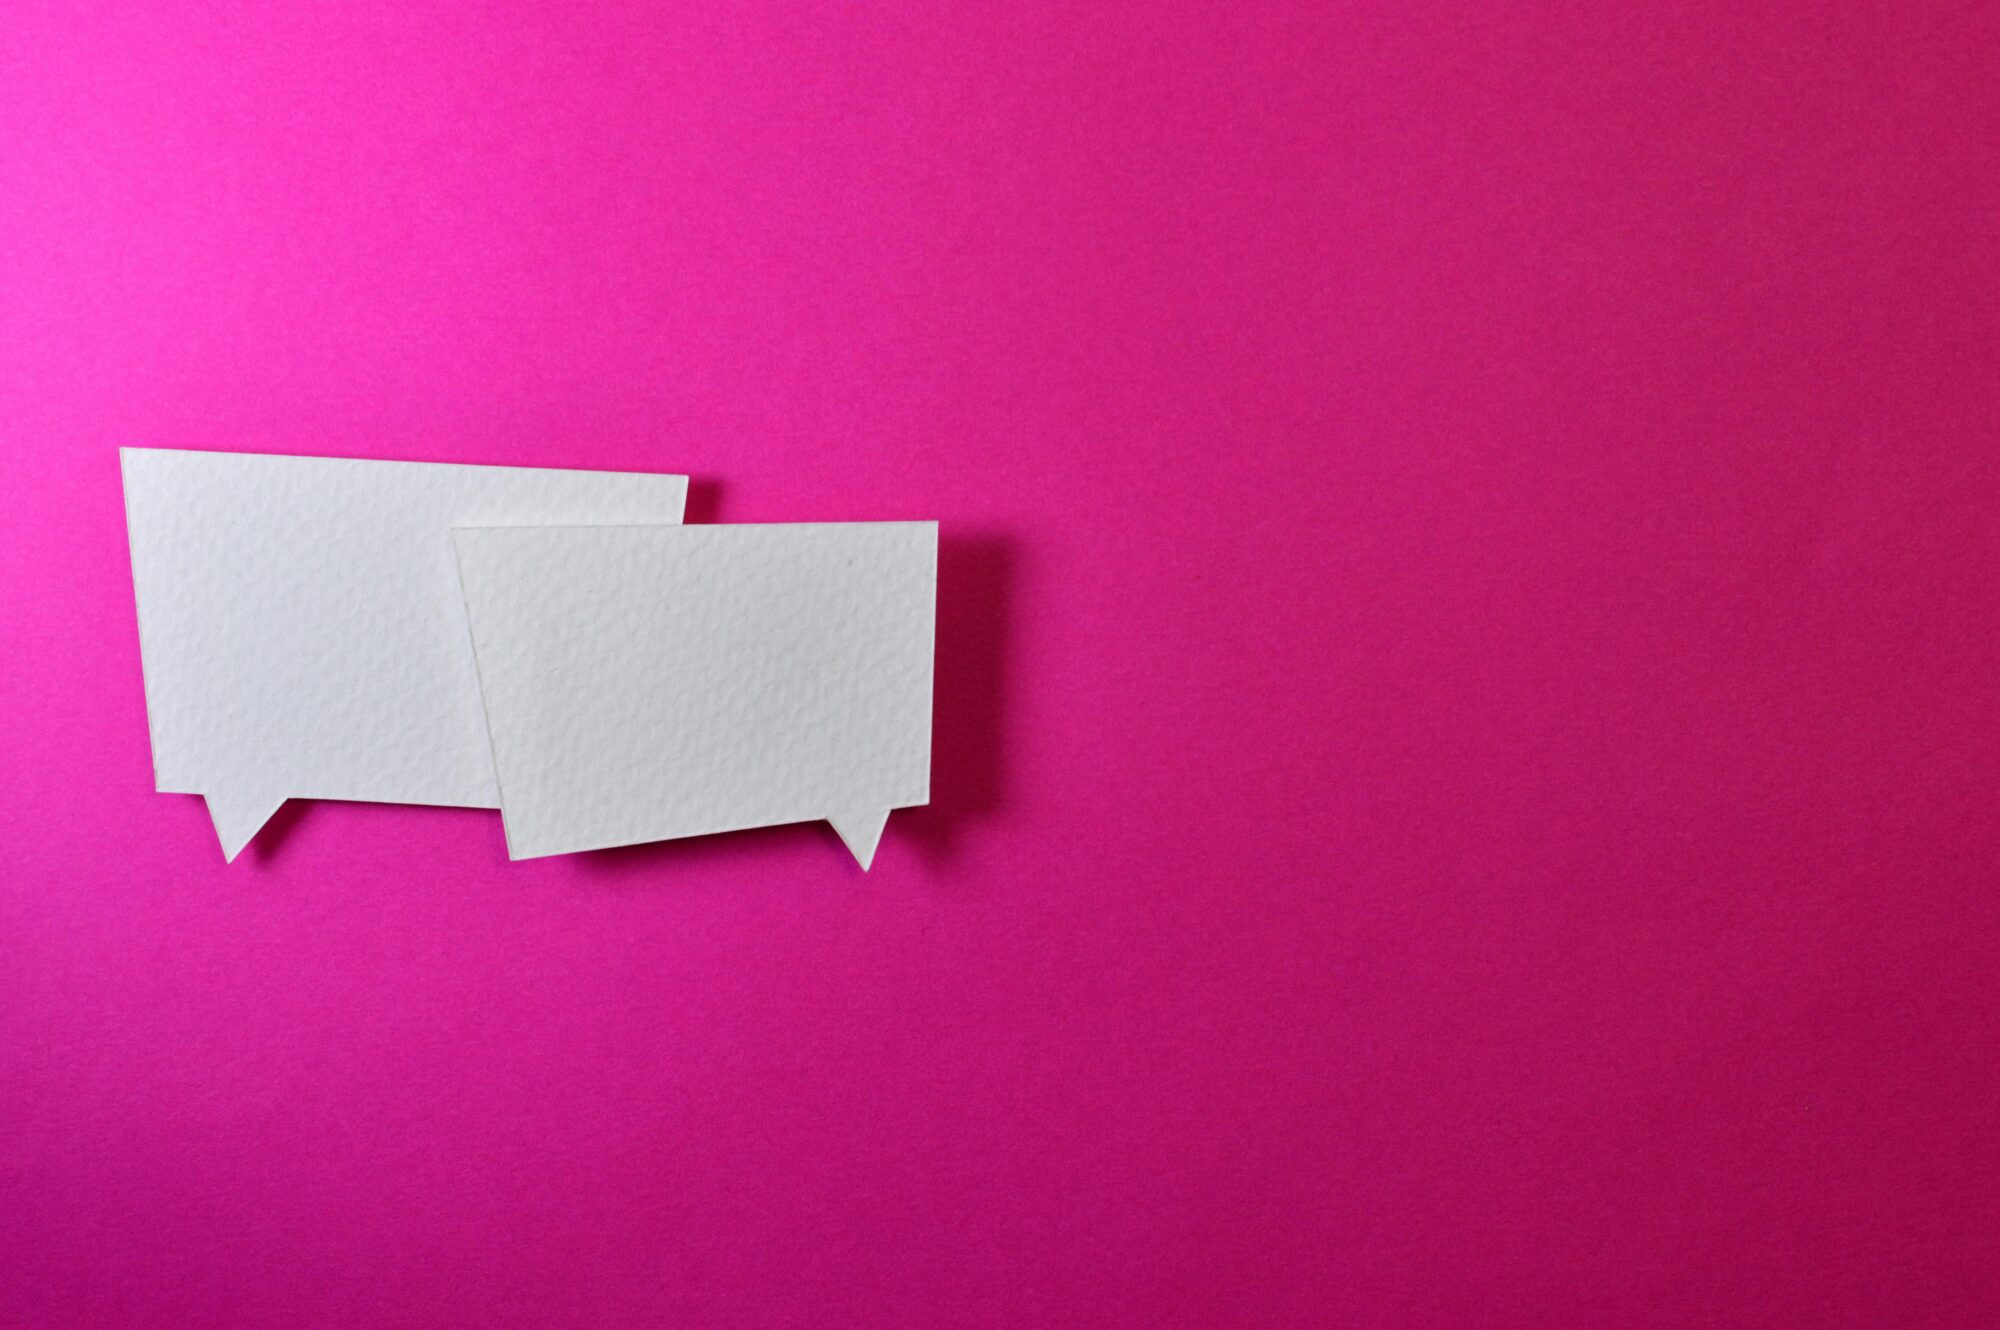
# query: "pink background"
{"points": [[1466, 705]]}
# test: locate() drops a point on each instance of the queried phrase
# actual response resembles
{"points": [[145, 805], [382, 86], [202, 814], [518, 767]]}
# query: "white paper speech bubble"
{"points": [[647, 683], [301, 625]]}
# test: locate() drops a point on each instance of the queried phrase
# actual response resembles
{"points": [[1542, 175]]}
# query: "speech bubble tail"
{"points": [[862, 832], [237, 819]]}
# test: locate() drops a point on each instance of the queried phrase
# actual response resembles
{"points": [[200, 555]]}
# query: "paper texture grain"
{"points": [[646, 683], [301, 625]]}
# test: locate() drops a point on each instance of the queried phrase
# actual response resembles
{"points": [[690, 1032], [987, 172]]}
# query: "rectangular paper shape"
{"points": [[645, 683], [301, 624]]}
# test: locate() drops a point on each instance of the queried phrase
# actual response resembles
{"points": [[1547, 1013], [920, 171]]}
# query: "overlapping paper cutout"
{"points": [[551, 643]]}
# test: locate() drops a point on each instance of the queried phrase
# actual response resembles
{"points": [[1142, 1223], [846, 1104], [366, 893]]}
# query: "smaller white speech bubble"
{"points": [[647, 683], [301, 625]]}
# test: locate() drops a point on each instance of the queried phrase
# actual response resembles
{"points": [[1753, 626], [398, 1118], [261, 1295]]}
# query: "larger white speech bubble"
{"points": [[647, 683], [301, 625]]}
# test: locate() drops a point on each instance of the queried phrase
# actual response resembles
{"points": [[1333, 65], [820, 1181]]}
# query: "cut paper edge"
{"points": [[861, 832], [237, 820]]}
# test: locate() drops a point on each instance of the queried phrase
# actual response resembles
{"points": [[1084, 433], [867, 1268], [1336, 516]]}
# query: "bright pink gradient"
{"points": [[1467, 706]]}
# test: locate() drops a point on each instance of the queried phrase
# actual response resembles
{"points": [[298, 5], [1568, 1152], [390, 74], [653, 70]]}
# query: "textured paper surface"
{"points": [[301, 626], [648, 683]]}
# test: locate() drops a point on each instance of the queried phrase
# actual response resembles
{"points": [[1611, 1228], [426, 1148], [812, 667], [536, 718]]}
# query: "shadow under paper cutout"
{"points": [[271, 837], [975, 589], [975, 592], [269, 843], [265, 843], [704, 502], [624, 865]]}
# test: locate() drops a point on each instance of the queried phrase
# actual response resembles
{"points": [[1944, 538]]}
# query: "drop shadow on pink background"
{"points": [[269, 842], [976, 574]]}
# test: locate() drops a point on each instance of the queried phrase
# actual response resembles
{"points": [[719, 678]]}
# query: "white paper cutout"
{"points": [[861, 832], [647, 683], [301, 625], [238, 822]]}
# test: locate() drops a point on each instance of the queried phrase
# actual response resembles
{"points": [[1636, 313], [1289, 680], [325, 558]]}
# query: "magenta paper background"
{"points": [[1466, 732]]}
